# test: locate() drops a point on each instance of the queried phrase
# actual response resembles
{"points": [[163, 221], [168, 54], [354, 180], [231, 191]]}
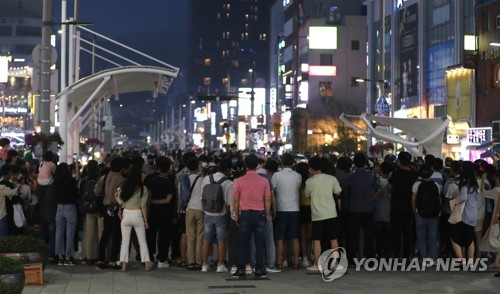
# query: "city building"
{"points": [[488, 69], [229, 58], [20, 31], [318, 50], [425, 50]]}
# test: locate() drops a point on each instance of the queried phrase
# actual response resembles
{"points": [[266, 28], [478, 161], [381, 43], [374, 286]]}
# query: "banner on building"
{"points": [[459, 89], [408, 45]]}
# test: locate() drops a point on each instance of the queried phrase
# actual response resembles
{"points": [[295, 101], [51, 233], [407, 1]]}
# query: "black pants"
{"points": [[363, 221], [383, 246], [444, 234], [401, 226], [160, 223], [111, 233]]}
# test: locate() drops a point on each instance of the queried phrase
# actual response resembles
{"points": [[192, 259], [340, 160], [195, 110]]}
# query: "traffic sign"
{"points": [[277, 117]]}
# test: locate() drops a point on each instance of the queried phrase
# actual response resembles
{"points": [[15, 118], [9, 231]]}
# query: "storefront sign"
{"points": [[476, 136], [14, 110]]}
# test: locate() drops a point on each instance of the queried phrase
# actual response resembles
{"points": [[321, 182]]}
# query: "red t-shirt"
{"points": [[251, 189]]}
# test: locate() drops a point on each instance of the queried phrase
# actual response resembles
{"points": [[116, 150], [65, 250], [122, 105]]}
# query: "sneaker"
{"points": [[259, 275], [204, 268], [313, 268], [248, 270], [305, 263], [273, 270], [285, 264], [239, 275], [221, 268], [233, 269], [60, 262], [163, 264], [69, 262]]}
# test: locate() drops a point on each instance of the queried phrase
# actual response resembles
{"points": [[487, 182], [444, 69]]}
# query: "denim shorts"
{"points": [[286, 225], [216, 228]]}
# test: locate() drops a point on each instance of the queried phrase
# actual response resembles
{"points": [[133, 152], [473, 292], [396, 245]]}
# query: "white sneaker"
{"points": [[163, 264], [204, 268], [313, 268], [248, 270], [221, 268], [273, 270], [234, 269], [305, 262], [285, 263]]}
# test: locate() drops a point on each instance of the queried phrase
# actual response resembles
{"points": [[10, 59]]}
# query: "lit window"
{"points": [[227, 15], [325, 89], [207, 61], [246, 16], [225, 81], [218, 16], [246, 27], [207, 81], [244, 81]]}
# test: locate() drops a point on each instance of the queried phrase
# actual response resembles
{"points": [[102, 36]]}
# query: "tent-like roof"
{"points": [[429, 132], [121, 80]]}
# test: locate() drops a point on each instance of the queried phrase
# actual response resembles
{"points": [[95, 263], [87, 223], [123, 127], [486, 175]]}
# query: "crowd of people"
{"points": [[253, 213]]}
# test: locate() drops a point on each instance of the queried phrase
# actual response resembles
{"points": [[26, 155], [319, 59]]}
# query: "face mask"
{"points": [[204, 164], [19, 177]]}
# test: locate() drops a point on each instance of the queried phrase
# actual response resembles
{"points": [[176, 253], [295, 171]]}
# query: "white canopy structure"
{"points": [[83, 98], [428, 132]]}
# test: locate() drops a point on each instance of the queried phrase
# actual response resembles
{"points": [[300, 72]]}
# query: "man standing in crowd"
{"points": [[400, 185], [216, 223], [286, 184], [252, 199], [321, 188], [362, 186], [161, 192]]}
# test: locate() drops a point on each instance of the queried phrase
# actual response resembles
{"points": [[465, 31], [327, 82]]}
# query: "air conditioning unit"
{"points": [[495, 125]]}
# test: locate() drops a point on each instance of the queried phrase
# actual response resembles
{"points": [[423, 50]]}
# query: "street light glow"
{"points": [[496, 44], [250, 70]]}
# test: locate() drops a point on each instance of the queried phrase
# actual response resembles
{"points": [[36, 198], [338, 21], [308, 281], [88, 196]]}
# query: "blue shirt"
{"points": [[469, 215], [360, 186]]}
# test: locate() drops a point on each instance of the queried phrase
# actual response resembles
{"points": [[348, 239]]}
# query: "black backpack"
{"points": [[428, 199], [91, 203], [212, 197]]}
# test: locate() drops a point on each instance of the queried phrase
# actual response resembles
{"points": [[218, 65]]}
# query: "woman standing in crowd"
{"points": [[133, 198], [492, 237], [94, 223], [462, 233], [66, 192]]}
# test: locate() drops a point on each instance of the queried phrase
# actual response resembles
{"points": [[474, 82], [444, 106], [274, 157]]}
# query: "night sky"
{"points": [[156, 27]]}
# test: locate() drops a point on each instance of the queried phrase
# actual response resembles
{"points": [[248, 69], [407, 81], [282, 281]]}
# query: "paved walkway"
{"points": [[84, 279]]}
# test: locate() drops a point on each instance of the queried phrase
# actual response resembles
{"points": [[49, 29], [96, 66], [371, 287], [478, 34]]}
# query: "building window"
{"points": [[496, 76], [235, 63], [325, 89], [207, 81], [325, 59], [225, 81], [5, 31], [497, 22], [218, 16], [227, 15], [207, 61], [244, 82], [246, 27], [486, 21], [262, 37], [355, 45], [246, 16]]}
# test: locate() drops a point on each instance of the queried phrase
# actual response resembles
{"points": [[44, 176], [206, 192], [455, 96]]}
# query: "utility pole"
{"points": [[44, 112], [252, 112]]}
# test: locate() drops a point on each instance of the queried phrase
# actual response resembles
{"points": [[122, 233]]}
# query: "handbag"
{"points": [[456, 211], [491, 239], [19, 219]]}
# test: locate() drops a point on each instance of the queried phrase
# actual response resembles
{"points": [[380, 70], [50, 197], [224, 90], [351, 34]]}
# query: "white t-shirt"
{"points": [[287, 183], [195, 200]]}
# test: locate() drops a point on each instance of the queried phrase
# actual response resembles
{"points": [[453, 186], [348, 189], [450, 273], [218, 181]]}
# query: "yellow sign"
{"points": [[459, 89], [277, 129]]}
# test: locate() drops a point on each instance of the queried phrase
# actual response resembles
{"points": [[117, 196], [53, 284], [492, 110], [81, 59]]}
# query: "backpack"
{"points": [[212, 197], [91, 203], [428, 199], [185, 190]]}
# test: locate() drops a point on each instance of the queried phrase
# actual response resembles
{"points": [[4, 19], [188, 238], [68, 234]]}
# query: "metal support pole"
{"points": [[44, 110], [252, 110], [63, 100]]}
